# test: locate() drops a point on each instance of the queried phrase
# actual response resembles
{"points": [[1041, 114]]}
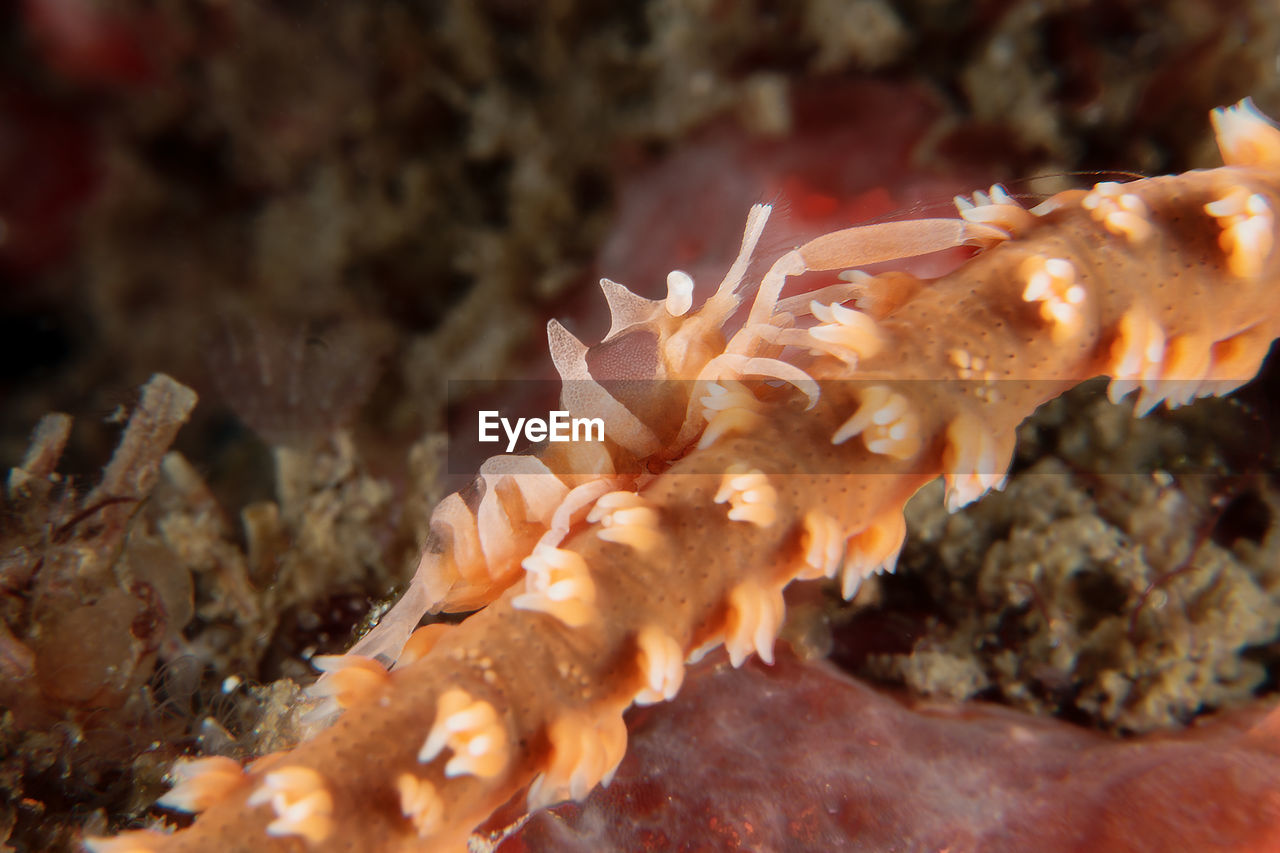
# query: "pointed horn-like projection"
{"points": [[582, 396], [626, 309], [568, 354]]}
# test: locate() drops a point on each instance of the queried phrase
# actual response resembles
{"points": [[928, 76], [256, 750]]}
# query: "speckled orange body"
{"points": [[1093, 283]]}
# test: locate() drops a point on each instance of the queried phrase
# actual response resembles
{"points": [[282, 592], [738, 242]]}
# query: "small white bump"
{"points": [[728, 407], [823, 546], [1122, 213], [627, 519], [971, 462], [201, 782], [301, 800], [558, 583], [969, 366], [854, 276], [1248, 230], [706, 648], [755, 615], [1052, 283], [679, 293], [1186, 365], [875, 548], [1136, 360], [472, 730], [585, 751], [996, 208], [1245, 136], [845, 333], [420, 803], [661, 661], [750, 497], [886, 423], [349, 679]]}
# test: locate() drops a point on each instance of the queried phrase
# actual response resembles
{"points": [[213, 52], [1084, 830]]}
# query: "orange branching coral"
{"points": [[732, 487]]}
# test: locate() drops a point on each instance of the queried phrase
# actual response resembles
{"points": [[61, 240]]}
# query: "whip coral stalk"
{"points": [[787, 451]]}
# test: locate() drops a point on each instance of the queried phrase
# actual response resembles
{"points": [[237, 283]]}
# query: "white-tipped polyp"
{"points": [[750, 496], [755, 615], [472, 729]]}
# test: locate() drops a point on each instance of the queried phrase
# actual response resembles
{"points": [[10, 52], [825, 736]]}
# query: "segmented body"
{"points": [[1168, 285]]}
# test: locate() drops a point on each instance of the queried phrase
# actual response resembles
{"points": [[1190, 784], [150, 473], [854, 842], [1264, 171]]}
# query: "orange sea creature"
{"points": [[745, 459]]}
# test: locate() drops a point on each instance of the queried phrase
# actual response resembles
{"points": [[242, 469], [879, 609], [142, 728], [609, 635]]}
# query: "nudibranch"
{"points": [[750, 454]]}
